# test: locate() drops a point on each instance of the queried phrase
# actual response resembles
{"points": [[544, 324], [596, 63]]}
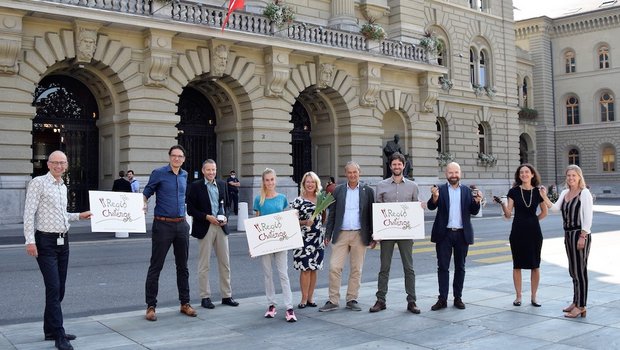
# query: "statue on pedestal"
{"points": [[388, 150]]}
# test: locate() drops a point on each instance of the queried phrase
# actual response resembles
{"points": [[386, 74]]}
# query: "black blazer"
{"points": [[199, 205], [468, 207], [121, 185], [336, 213]]}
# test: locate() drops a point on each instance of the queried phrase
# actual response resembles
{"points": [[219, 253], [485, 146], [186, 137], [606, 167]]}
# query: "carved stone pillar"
{"points": [[157, 57], [343, 15], [370, 83], [429, 91], [277, 70]]}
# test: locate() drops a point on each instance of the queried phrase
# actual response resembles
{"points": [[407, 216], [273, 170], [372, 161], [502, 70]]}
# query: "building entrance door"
{"points": [[301, 142]]}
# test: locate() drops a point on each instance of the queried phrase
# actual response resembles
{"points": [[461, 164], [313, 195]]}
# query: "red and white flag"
{"points": [[232, 6]]}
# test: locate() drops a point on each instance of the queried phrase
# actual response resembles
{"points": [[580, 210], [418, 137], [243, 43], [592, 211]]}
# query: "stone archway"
{"points": [[66, 117], [526, 149]]}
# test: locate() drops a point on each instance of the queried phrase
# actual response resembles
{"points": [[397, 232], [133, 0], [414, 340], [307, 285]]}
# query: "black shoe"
{"points": [[412, 307], [63, 344], [229, 302], [67, 336], [517, 302], [311, 304], [458, 303], [440, 304], [535, 304], [207, 304]]}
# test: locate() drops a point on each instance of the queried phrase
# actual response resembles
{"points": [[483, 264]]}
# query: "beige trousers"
{"points": [[215, 239], [348, 243]]}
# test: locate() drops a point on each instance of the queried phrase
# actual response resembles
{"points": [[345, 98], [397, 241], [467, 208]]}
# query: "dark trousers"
{"points": [[234, 201], [405, 247], [53, 261], [166, 234], [453, 243]]}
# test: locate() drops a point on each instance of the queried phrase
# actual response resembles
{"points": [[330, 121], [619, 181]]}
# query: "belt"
{"points": [[52, 233], [455, 229], [165, 219]]}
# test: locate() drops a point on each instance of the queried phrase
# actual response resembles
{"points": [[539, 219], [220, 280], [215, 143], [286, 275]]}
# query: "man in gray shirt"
{"points": [[396, 188]]}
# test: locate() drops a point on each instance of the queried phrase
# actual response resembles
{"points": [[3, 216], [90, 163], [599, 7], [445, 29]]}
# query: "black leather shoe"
{"points": [[63, 344], [229, 302], [67, 336], [440, 304], [458, 303], [536, 304], [207, 304], [412, 307]]}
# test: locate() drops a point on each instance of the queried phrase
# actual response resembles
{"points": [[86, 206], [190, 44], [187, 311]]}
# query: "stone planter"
{"points": [[373, 45]]}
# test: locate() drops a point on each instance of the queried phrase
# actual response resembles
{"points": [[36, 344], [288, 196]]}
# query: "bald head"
{"points": [[57, 164], [453, 173]]}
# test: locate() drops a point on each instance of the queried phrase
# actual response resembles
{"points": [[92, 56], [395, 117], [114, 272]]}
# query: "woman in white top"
{"points": [[575, 202]]}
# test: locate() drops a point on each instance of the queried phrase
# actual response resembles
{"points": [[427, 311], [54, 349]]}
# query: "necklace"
{"points": [[527, 205]]}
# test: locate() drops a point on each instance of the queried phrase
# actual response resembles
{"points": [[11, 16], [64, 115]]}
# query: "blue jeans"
{"points": [[53, 261], [454, 242]]}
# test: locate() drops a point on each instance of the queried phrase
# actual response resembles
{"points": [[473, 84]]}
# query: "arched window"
{"points": [[525, 102], [482, 69], [472, 67], [607, 107], [609, 159], [442, 130], [569, 59], [572, 110], [573, 156], [603, 57], [442, 53], [482, 144]]}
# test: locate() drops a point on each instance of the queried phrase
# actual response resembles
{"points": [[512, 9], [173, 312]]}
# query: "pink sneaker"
{"points": [[271, 312], [290, 316]]}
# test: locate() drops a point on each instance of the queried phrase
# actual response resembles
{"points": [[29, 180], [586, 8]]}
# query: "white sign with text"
{"points": [[117, 211], [399, 220], [273, 233]]}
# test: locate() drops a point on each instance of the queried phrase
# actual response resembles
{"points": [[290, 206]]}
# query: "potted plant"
{"points": [[372, 31], [279, 13], [528, 113], [444, 158], [486, 159], [478, 89], [431, 43], [490, 91]]}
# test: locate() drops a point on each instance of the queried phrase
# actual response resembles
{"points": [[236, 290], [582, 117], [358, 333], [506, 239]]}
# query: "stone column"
{"points": [[343, 15]]}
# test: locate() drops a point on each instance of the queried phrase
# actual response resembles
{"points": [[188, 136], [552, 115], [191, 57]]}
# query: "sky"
{"points": [[552, 8]]}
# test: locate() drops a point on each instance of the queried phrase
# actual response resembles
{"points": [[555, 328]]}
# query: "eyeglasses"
{"points": [[56, 163], [175, 156]]}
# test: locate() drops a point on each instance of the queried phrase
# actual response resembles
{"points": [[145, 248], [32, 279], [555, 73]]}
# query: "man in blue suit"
{"points": [[452, 232]]}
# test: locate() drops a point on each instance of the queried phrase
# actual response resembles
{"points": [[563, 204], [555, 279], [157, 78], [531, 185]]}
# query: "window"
{"points": [[573, 156], [525, 104], [607, 107], [442, 54], [472, 67], [442, 130], [480, 67], [609, 159], [482, 70], [569, 58], [572, 110], [603, 57], [482, 146]]}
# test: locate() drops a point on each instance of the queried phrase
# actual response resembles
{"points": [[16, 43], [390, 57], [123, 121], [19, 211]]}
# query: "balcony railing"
{"points": [[188, 12]]}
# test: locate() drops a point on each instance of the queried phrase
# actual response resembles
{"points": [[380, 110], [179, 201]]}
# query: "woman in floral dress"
{"points": [[309, 258]]}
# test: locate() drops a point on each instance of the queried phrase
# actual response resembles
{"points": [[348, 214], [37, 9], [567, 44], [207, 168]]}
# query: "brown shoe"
{"points": [[440, 304], [379, 305], [188, 310], [411, 306], [458, 303], [150, 314]]}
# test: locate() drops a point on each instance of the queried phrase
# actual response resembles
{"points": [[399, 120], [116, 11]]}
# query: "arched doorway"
{"points": [[196, 131], [66, 117], [301, 142]]}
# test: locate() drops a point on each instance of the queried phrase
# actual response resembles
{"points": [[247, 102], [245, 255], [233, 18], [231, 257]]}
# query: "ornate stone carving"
{"points": [[277, 71], [429, 91], [326, 74], [219, 60], [157, 57], [9, 50], [370, 84], [85, 44], [159, 67]]}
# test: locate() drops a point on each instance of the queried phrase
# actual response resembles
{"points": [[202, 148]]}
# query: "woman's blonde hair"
{"points": [[263, 191], [317, 181], [577, 169]]}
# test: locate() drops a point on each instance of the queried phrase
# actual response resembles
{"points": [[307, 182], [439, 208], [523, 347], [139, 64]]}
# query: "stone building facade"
{"points": [[575, 81], [115, 83]]}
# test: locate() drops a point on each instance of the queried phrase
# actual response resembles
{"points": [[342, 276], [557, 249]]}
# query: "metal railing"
{"points": [[188, 12]]}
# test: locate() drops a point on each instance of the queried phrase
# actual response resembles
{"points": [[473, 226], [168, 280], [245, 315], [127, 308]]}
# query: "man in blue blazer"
{"points": [[349, 227], [208, 198], [452, 232]]}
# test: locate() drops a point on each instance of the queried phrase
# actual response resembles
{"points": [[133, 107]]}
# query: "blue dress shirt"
{"points": [[170, 191]]}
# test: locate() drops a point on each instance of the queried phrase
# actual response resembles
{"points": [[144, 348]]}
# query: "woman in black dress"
{"points": [[525, 236]]}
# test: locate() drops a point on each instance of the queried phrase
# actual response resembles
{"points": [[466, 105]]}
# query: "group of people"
{"points": [[530, 202], [347, 226], [126, 182]]}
